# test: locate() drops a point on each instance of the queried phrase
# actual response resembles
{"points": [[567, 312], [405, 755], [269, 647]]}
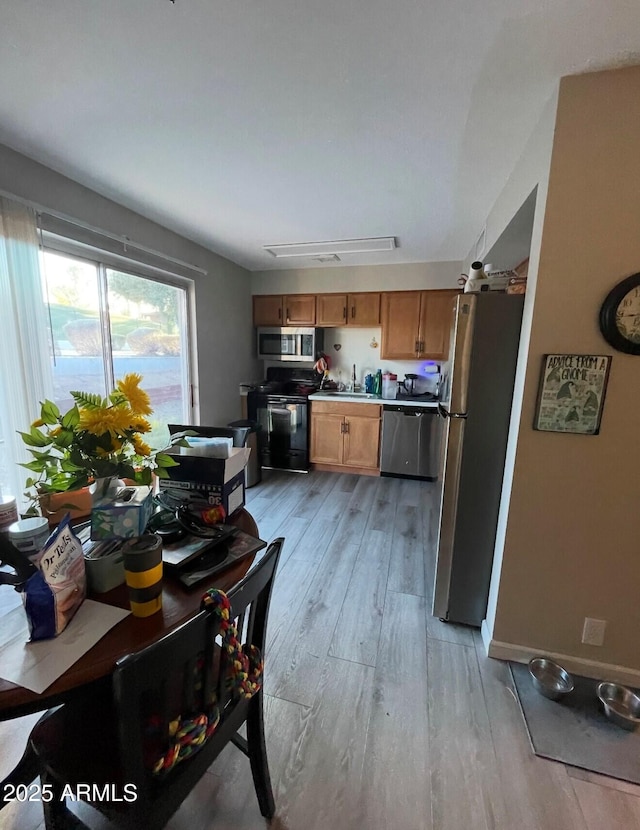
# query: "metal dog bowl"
{"points": [[550, 679], [621, 705]]}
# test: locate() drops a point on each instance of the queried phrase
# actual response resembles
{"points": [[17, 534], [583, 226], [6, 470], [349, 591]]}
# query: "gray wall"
{"points": [[224, 335]]}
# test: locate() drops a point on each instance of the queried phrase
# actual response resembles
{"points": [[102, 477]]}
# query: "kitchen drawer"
{"points": [[360, 410]]}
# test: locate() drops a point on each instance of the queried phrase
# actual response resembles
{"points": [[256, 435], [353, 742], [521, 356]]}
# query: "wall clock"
{"points": [[620, 316]]}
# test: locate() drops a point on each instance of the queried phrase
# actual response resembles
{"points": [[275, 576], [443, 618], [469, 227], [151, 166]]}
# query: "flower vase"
{"points": [[55, 506]]}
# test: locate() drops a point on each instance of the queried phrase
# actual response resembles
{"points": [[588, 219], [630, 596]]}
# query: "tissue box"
{"points": [[124, 516]]}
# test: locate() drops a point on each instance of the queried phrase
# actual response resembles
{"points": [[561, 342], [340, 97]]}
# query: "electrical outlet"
{"points": [[593, 631]]}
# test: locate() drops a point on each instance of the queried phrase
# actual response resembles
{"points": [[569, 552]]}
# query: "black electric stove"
{"points": [[280, 405]]}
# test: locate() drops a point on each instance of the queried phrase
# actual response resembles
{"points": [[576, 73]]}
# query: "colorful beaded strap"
{"points": [[244, 679]]}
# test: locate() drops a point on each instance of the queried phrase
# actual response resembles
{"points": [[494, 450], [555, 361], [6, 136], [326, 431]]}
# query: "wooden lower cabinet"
{"points": [[345, 434], [361, 446]]}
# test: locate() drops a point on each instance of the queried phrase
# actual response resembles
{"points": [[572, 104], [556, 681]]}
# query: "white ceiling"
{"points": [[241, 123]]}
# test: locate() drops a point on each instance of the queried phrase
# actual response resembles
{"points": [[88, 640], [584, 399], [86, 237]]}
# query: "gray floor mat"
{"points": [[576, 730]]}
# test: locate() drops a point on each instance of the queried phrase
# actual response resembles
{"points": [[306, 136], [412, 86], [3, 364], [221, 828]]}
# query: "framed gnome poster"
{"points": [[571, 393]]}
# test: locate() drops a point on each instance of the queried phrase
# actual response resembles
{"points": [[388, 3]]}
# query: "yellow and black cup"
{"points": [[143, 573]]}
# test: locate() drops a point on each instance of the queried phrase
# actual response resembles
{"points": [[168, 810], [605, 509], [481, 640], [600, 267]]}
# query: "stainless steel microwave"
{"points": [[290, 343]]}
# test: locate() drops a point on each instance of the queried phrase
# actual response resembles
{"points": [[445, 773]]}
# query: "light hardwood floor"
{"points": [[377, 715]]}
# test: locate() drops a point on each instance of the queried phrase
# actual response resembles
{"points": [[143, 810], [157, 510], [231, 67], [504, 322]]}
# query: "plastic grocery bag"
{"points": [[53, 594]]}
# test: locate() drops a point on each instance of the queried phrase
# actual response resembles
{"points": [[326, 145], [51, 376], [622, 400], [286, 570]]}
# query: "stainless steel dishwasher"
{"points": [[411, 438]]}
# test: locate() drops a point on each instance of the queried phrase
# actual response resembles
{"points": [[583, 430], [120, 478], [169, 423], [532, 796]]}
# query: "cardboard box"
{"points": [[203, 469], [123, 517], [202, 480], [229, 494]]}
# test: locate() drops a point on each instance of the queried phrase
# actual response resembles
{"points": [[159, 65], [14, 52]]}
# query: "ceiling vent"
{"points": [[332, 248]]}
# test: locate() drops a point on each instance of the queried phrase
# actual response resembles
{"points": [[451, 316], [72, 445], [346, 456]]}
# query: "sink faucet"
{"points": [[353, 379]]}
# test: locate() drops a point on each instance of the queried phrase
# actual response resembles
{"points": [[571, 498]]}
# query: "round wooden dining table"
{"points": [[128, 636]]}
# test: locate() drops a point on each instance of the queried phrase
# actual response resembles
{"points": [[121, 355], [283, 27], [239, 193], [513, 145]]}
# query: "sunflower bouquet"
{"points": [[97, 438]]}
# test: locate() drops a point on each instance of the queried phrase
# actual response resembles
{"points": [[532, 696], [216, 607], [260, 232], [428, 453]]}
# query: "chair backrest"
{"points": [[176, 677], [239, 435]]}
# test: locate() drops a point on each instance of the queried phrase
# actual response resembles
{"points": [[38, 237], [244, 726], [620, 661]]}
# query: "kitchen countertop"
{"points": [[343, 398]]}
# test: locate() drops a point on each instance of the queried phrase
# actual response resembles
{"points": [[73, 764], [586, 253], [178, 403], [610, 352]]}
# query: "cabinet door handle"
{"points": [[344, 313], [342, 429], [287, 315], [346, 426], [280, 313], [417, 346], [353, 311]]}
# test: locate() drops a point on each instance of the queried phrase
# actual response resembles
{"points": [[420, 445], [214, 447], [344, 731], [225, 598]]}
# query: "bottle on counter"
{"points": [[389, 386], [377, 383]]}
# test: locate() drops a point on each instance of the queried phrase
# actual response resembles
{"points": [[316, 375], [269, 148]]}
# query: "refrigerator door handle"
{"points": [[462, 336]]}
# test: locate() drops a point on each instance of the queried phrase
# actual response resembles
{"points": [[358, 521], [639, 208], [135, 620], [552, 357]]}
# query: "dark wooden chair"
{"points": [[117, 741], [239, 435]]}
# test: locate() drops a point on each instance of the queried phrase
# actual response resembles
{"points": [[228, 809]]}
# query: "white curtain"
{"points": [[25, 366]]}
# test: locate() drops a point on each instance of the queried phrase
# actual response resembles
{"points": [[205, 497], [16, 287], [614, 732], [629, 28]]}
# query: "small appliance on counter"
{"points": [[419, 387]]}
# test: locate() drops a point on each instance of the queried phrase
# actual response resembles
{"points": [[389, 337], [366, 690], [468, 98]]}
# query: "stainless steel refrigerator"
{"points": [[476, 405]]}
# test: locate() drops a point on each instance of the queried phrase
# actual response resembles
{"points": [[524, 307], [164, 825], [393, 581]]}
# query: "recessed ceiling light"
{"points": [[339, 246]]}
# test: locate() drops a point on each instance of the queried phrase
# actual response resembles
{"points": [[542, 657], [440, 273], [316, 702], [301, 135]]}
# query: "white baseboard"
{"points": [[576, 665]]}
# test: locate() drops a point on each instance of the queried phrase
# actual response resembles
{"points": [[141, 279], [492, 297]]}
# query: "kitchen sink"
{"points": [[334, 393]]}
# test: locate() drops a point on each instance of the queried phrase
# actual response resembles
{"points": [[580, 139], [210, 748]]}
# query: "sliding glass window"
{"points": [[105, 322]]}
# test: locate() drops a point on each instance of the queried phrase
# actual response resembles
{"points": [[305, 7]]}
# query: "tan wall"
{"points": [[403, 277], [571, 546]]}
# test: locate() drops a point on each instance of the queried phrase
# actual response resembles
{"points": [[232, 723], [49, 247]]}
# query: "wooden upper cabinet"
{"points": [[290, 310], [400, 319], [436, 319], [267, 310], [299, 309], [364, 309], [331, 309], [416, 324], [361, 309]]}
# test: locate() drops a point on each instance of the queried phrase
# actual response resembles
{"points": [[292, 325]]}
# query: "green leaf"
{"points": [[64, 438], [68, 466], [89, 400], [49, 412], [164, 460], [39, 438], [126, 471], [117, 397], [71, 418], [161, 472], [38, 466], [143, 476], [41, 456], [34, 438]]}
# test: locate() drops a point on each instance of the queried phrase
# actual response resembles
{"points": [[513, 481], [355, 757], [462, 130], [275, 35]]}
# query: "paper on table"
{"points": [[37, 665]]}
